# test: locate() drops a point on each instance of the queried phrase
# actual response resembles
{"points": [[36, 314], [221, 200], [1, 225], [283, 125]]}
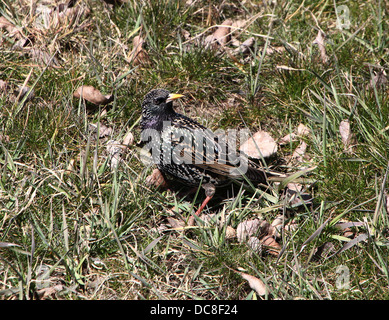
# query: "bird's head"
{"points": [[158, 102]]}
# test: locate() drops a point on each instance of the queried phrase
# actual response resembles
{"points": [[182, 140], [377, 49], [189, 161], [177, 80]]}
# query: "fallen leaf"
{"points": [[212, 219], [220, 36], [92, 95], [138, 55], [261, 144], [277, 226], [104, 131], [303, 130], [43, 57], [347, 136], [4, 138], [176, 223], [246, 46], [272, 245], [320, 41], [4, 87], [299, 152], [254, 244], [47, 292], [114, 149], [239, 24], [156, 179], [128, 139], [288, 138], [248, 228], [272, 50], [230, 232], [255, 283]]}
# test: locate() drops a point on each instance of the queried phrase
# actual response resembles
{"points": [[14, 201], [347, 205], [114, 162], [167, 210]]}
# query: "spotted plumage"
{"points": [[179, 139]]}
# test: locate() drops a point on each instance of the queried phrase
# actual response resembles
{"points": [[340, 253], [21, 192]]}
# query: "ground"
{"points": [[79, 219]]}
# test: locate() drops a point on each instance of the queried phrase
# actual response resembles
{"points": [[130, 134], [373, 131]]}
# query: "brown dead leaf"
{"points": [[104, 131], [114, 149], [277, 225], [299, 152], [303, 130], [347, 136], [270, 50], [212, 219], [239, 24], [248, 228], [255, 284], [230, 232], [220, 36], [288, 138], [176, 223], [138, 55], [261, 144], [296, 195], [42, 56], [156, 179], [291, 227], [128, 139], [320, 41], [246, 46], [47, 292], [254, 244], [272, 245], [92, 95]]}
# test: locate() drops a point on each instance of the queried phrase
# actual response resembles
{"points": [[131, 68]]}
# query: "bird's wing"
{"points": [[196, 145]]}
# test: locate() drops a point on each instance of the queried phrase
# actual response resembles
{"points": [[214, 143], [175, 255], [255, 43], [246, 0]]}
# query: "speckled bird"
{"points": [[157, 111]]}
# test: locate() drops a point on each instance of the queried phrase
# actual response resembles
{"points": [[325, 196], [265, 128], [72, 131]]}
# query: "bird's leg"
{"points": [[209, 192], [205, 202]]}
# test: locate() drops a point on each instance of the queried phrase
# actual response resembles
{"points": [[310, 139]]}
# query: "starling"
{"points": [[188, 152]]}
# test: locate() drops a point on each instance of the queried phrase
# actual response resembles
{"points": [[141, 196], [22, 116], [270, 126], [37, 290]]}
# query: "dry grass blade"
{"points": [[8, 244], [315, 234], [351, 243]]}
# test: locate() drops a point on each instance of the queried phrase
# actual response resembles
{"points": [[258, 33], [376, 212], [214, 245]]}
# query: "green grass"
{"points": [[102, 233]]}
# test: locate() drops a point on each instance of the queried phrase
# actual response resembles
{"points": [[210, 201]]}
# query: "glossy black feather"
{"points": [[157, 109]]}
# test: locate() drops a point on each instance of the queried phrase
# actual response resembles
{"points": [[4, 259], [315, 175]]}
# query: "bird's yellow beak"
{"points": [[174, 96]]}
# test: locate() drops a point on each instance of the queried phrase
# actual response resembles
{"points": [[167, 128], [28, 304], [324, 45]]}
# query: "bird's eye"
{"points": [[159, 100]]}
